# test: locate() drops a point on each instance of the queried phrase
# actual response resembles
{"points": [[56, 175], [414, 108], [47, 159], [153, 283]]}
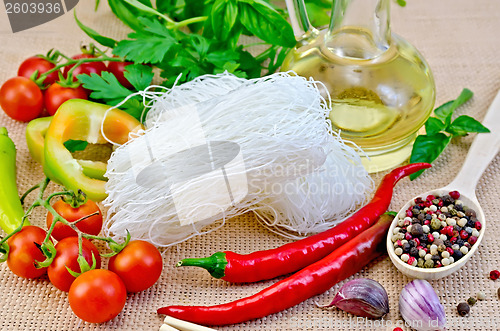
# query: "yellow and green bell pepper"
{"points": [[78, 120]]}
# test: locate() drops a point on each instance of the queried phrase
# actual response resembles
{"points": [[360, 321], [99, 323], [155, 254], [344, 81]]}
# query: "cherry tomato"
{"points": [[66, 256], [56, 95], [91, 225], [97, 296], [139, 265], [85, 68], [21, 99], [23, 252], [31, 64], [118, 69]]}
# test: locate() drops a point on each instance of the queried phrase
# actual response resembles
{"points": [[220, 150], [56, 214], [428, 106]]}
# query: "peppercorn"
{"points": [[435, 224], [430, 264], [420, 217], [471, 301], [495, 274], [416, 230], [470, 213], [397, 329], [481, 295], [414, 251], [463, 308], [472, 240], [447, 200], [457, 254], [406, 247]]}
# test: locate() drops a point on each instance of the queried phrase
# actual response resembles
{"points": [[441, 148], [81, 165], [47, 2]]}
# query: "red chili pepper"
{"points": [[310, 281], [267, 264]]}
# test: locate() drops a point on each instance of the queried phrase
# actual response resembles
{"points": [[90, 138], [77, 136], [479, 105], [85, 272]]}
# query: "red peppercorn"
{"points": [[454, 239], [447, 230], [408, 236], [430, 238], [399, 243], [426, 249], [430, 197], [411, 260], [397, 329], [409, 213], [440, 203], [420, 247], [472, 240], [449, 250], [464, 234], [418, 200], [428, 204], [417, 241], [455, 194], [495, 274], [438, 264], [427, 222], [478, 226]]}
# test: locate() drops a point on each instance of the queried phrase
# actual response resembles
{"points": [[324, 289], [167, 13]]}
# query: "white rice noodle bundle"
{"points": [[219, 146]]}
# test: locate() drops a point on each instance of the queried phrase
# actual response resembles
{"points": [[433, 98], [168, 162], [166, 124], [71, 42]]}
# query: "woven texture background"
{"points": [[459, 38]]}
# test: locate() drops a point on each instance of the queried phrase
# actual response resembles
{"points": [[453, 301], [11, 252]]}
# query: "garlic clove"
{"points": [[362, 297], [420, 307]]}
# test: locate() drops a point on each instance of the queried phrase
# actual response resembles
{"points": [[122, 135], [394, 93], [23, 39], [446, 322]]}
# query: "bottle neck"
{"points": [[359, 29]]}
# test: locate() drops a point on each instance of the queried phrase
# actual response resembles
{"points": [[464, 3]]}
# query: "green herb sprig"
{"points": [[441, 129]]}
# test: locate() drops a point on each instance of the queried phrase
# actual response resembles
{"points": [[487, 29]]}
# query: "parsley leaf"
{"points": [[106, 87], [148, 46], [139, 75], [75, 145]]}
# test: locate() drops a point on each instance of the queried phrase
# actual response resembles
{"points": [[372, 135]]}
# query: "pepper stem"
{"points": [[215, 264]]}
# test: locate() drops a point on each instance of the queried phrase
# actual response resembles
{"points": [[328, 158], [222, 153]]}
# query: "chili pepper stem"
{"points": [[214, 264]]}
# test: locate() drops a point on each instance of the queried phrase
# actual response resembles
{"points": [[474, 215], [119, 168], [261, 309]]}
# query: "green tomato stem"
{"points": [[77, 62]]}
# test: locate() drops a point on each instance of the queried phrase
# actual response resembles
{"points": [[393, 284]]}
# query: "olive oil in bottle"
{"points": [[381, 89]]}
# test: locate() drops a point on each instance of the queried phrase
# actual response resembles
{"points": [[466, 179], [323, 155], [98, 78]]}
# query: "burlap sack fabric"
{"points": [[459, 38]]}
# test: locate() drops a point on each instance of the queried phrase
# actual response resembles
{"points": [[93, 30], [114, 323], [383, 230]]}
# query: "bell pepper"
{"points": [[35, 138], [82, 120]]}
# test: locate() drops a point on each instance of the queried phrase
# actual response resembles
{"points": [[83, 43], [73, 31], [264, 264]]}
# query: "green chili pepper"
{"points": [[11, 210]]}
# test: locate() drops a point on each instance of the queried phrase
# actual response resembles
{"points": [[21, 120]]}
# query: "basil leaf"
{"points": [[145, 7], [128, 14], [465, 124], [427, 148], [223, 17], [166, 6], [445, 111], [266, 23], [75, 145], [105, 41], [139, 75], [318, 15], [433, 126]]}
